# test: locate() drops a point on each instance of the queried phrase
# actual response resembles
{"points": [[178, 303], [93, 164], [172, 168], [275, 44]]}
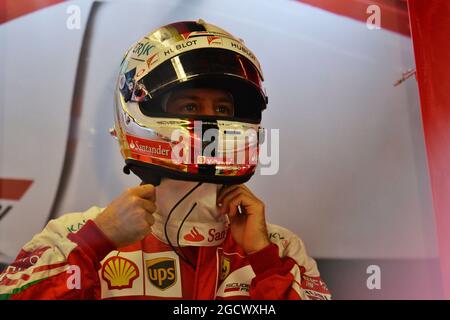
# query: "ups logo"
{"points": [[162, 272]]}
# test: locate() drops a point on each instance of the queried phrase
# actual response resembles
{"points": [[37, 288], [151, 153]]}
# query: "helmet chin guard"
{"points": [[151, 174]]}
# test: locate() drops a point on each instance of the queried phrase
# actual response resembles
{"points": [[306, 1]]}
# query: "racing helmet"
{"points": [[156, 143]]}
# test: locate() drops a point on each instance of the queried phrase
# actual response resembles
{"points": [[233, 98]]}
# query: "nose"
{"points": [[208, 108]]}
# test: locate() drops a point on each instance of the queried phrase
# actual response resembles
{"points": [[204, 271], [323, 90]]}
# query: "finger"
{"points": [[224, 204], [147, 205], [226, 191], [239, 200], [150, 219], [145, 191], [235, 196], [247, 189], [223, 191]]}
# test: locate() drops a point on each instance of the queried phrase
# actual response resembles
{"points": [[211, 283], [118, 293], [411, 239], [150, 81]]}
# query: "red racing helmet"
{"points": [[155, 143]]}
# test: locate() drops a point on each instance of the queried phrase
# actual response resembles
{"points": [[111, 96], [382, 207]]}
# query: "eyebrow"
{"points": [[193, 97], [185, 96]]}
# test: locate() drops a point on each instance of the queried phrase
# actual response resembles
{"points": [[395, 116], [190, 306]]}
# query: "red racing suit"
{"points": [[72, 259]]}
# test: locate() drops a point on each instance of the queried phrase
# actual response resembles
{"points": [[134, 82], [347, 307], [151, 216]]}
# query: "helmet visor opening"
{"points": [[206, 68]]}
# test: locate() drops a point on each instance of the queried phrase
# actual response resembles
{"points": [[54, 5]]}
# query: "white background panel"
{"points": [[39, 64], [353, 179]]}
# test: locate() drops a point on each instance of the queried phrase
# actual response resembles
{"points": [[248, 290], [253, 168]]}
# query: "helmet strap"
{"points": [[144, 174]]}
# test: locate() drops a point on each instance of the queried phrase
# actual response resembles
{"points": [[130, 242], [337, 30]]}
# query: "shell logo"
{"points": [[119, 272]]}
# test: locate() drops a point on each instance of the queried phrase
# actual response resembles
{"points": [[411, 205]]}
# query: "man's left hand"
{"points": [[248, 228]]}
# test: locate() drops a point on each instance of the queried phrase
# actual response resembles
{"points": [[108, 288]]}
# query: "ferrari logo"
{"points": [[225, 270]]}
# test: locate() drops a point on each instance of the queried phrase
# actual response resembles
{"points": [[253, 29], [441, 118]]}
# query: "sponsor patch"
{"points": [[162, 272], [163, 277], [237, 287], [237, 283], [75, 227], [191, 233], [225, 268], [126, 84], [119, 272], [29, 260], [214, 40], [157, 149], [194, 236], [122, 275]]}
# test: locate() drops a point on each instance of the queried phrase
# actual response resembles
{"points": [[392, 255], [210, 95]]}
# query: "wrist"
{"points": [[93, 241], [263, 243], [106, 228]]}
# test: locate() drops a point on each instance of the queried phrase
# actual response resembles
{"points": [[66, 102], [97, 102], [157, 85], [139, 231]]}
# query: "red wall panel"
{"points": [[394, 13], [11, 9], [430, 24]]}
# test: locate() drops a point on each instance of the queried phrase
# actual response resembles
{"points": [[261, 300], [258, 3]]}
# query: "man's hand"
{"points": [[248, 228], [129, 217]]}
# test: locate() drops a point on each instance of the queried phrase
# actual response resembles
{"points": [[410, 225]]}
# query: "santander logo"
{"points": [[194, 236], [157, 149]]}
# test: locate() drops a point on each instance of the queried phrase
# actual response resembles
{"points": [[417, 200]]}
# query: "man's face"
{"points": [[201, 101]]}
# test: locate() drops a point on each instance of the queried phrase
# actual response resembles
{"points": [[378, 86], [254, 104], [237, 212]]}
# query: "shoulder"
{"points": [[281, 236], [292, 246], [61, 227], [72, 222]]}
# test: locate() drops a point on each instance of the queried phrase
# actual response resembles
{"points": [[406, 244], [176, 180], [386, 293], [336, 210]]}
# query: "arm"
{"points": [[285, 273], [291, 277], [59, 263]]}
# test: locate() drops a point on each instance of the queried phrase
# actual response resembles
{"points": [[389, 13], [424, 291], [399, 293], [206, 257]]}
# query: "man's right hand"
{"points": [[129, 217]]}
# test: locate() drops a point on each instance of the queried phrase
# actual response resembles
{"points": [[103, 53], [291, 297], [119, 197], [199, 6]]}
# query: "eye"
{"points": [[189, 108], [223, 110]]}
